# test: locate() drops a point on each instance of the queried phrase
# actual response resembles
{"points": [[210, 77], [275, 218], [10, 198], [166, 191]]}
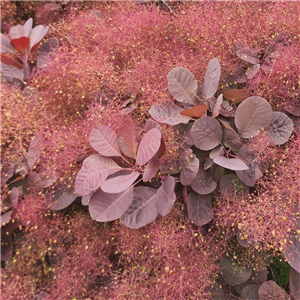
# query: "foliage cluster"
{"points": [[114, 66]]}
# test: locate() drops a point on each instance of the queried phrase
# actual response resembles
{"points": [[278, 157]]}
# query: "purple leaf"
{"points": [[252, 115], [203, 183], [6, 46], [230, 163], [165, 196], [211, 78], [104, 140], [6, 245], [60, 199], [182, 85], [270, 290], [250, 292], [119, 183], [216, 152], [291, 250], [231, 139], [218, 106], [35, 150], [189, 164], [280, 128], [105, 207], [151, 124], [230, 183], [11, 200], [143, 209], [232, 272], [199, 208], [207, 163], [85, 200], [93, 173], [293, 108], [148, 146], [41, 180], [11, 71], [37, 34], [5, 218], [294, 277], [247, 54], [168, 113], [240, 75], [251, 158], [252, 71], [151, 169], [206, 133], [127, 140]]}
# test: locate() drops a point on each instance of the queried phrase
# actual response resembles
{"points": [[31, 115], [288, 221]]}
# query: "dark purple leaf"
{"points": [[104, 140], [231, 139], [143, 209], [6, 245], [148, 146], [217, 172], [252, 71], [182, 85], [230, 183], [35, 150], [189, 164], [230, 163], [41, 180], [119, 183], [247, 54], [244, 242], [251, 158], [291, 250], [211, 79], [168, 113], [162, 149], [165, 196], [293, 108], [217, 106], [105, 207], [240, 75], [206, 133], [294, 278], [252, 115], [216, 152], [203, 183], [250, 292], [207, 163], [127, 140], [5, 218], [93, 173], [270, 290], [199, 208], [11, 200], [60, 199], [280, 128], [232, 272], [151, 169], [12, 72]]}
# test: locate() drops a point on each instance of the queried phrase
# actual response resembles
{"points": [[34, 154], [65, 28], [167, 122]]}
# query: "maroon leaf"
{"points": [[230, 163], [211, 78], [293, 108], [104, 140], [270, 290], [252, 115], [119, 183], [151, 169], [231, 139], [60, 199], [251, 158], [294, 278], [182, 85], [148, 146], [196, 111], [237, 95], [143, 209], [10, 61], [20, 43], [12, 72], [206, 133], [11, 200], [165, 196], [168, 113], [162, 149], [189, 164], [217, 106], [199, 208], [127, 140], [105, 207], [230, 183], [93, 173], [232, 272], [5, 218], [280, 128], [203, 183]]}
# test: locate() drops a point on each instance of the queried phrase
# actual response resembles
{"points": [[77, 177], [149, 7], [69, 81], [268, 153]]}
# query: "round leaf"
{"points": [[104, 140], [182, 85], [189, 164], [270, 290], [148, 146], [199, 208], [250, 292], [230, 163], [206, 133], [252, 115], [143, 209], [280, 128], [211, 78], [105, 207], [203, 183]]}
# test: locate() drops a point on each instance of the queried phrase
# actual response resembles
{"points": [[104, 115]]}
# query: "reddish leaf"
{"points": [[182, 85], [104, 140], [237, 95], [230, 163], [152, 124], [168, 113], [196, 111], [162, 149], [21, 43], [143, 209], [148, 146], [105, 207], [151, 169], [203, 183], [206, 133], [10, 61], [199, 208], [189, 164], [119, 183], [165, 196], [211, 78]]}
